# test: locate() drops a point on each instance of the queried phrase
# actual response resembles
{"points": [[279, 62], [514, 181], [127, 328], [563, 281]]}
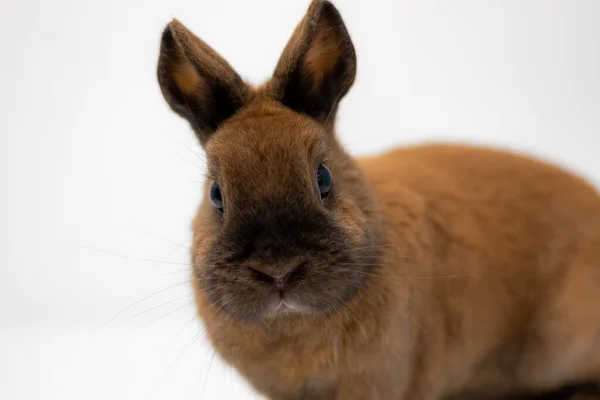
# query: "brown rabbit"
{"points": [[430, 272]]}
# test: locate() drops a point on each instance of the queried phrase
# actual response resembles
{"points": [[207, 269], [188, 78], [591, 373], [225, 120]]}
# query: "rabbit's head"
{"points": [[288, 225]]}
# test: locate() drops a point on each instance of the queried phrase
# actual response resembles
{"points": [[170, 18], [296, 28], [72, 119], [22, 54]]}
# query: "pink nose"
{"points": [[275, 274]]}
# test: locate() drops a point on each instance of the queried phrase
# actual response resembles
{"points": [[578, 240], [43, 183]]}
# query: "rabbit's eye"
{"points": [[216, 197], [324, 180]]}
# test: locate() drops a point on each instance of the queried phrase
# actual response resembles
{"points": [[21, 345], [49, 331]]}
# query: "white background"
{"points": [[93, 162]]}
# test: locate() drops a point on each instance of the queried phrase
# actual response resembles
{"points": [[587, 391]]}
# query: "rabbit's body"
{"points": [[426, 273], [491, 287], [505, 295]]}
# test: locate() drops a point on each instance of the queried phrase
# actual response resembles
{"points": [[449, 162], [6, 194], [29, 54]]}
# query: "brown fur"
{"points": [[187, 79], [435, 271], [322, 56]]}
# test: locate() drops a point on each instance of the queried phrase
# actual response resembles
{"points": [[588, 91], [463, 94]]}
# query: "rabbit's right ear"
{"points": [[198, 83], [318, 64]]}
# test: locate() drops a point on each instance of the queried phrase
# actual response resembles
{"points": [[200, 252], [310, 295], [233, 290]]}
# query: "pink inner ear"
{"points": [[323, 54], [187, 79]]}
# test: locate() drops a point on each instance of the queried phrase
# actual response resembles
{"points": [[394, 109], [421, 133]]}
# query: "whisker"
{"points": [[112, 253], [194, 339], [198, 130], [182, 353], [194, 318], [185, 249], [441, 276], [335, 103], [192, 114], [178, 271], [145, 298], [212, 358], [160, 306], [366, 273], [185, 159], [163, 238], [208, 176], [166, 315], [193, 152]]}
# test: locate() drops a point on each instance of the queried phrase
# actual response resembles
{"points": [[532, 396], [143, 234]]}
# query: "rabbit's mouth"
{"points": [[316, 291], [284, 306]]}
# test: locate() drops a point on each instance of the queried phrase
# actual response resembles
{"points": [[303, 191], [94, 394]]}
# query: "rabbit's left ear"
{"points": [[318, 65]]}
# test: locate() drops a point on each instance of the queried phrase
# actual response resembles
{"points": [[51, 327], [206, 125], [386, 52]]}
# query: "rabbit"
{"points": [[433, 271]]}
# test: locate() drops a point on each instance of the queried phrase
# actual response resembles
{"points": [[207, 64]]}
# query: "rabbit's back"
{"points": [[510, 290]]}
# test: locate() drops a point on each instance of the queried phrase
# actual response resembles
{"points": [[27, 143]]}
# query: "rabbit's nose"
{"points": [[278, 275]]}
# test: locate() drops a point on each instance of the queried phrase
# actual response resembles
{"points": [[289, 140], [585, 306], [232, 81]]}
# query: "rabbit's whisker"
{"points": [[112, 253], [162, 290], [166, 315], [157, 307]]}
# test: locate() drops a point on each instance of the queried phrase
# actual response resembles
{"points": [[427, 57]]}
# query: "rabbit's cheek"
{"points": [[351, 220], [199, 251]]}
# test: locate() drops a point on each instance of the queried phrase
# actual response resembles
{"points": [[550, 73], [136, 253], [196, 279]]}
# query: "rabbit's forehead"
{"points": [[266, 164], [262, 146]]}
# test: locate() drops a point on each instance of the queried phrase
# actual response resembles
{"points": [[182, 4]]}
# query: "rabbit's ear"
{"points": [[318, 65], [198, 84]]}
